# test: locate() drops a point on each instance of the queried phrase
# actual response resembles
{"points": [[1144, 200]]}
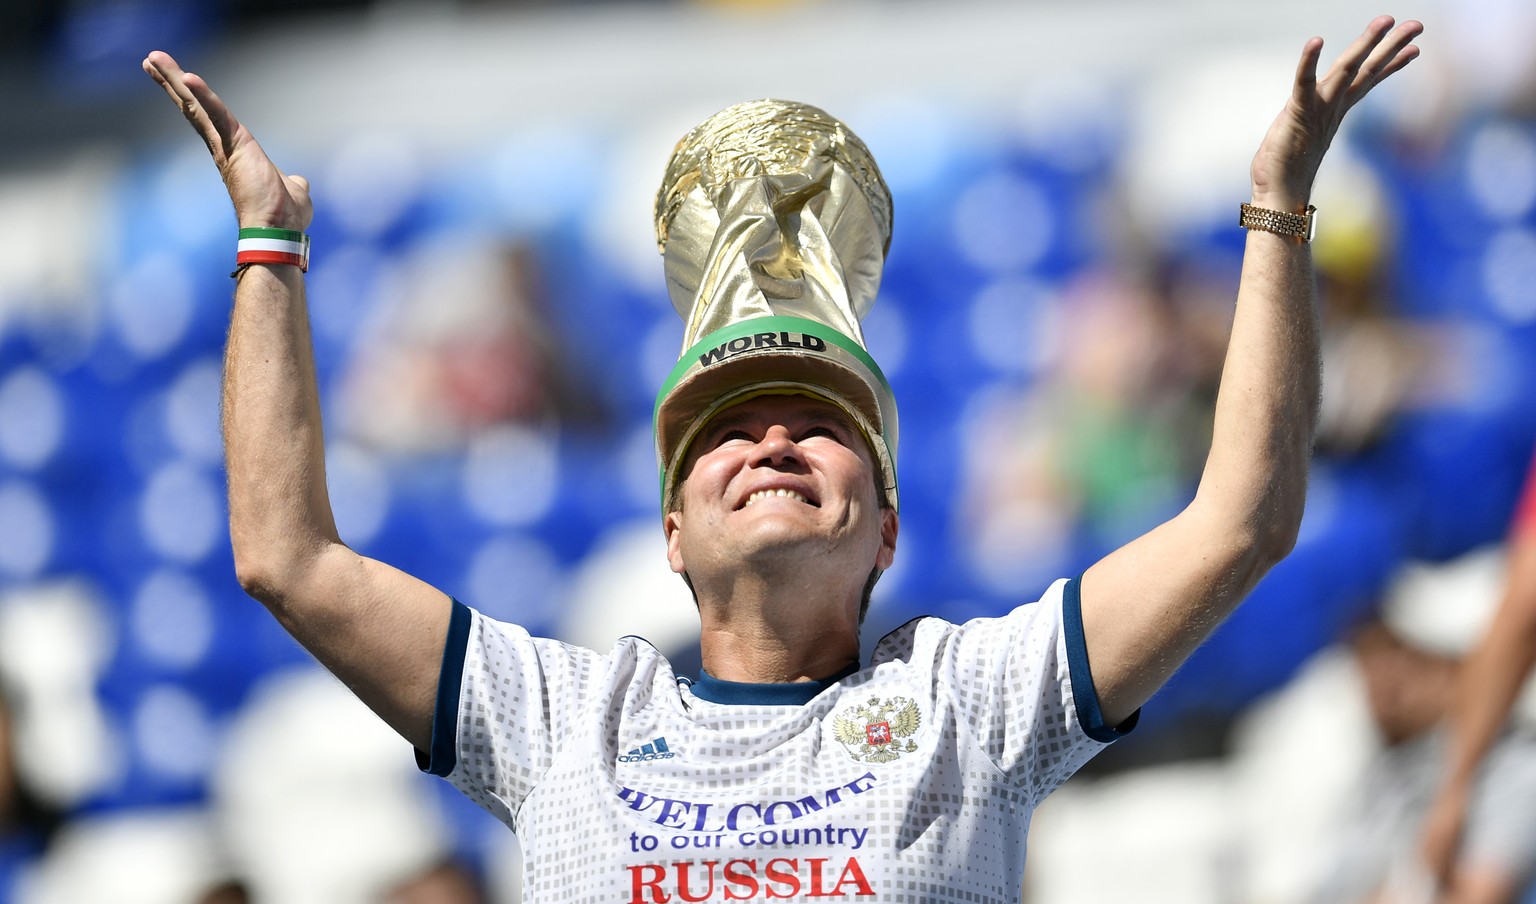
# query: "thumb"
{"points": [[300, 183]]}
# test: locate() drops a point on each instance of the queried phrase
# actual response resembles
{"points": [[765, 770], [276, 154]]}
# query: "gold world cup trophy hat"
{"points": [[773, 222]]}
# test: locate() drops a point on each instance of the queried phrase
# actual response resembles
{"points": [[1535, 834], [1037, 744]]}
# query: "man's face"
{"points": [[779, 478]]}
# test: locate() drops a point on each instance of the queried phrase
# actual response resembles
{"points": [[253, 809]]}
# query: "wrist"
{"points": [[1287, 188], [271, 245], [279, 215], [1287, 201], [292, 224]]}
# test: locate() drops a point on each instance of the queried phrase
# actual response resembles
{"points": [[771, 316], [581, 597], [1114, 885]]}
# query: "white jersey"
{"points": [[909, 780]]}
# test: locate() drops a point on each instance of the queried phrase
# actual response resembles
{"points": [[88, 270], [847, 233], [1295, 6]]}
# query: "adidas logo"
{"points": [[656, 750]]}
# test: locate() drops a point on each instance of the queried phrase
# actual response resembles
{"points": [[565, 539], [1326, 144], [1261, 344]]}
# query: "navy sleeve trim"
{"points": [[445, 714], [1084, 695]]}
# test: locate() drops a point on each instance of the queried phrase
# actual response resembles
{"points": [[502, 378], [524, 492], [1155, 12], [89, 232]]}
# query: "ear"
{"points": [[890, 526], [672, 526]]}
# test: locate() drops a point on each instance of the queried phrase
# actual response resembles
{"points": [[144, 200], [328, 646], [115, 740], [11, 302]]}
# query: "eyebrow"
{"points": [[809, 410], [731, 417]]}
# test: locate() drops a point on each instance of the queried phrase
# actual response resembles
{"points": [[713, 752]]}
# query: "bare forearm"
{"points": [[1485, 693], [280, 515], [1496, 670], [1166, 591], [1255, 476]]}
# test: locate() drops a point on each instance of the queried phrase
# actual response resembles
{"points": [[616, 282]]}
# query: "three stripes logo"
{"points": [[656, 750]]}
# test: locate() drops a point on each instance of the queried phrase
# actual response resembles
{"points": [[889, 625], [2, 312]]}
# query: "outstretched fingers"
{"points": [[262, 195], [162, 67], [1377, 53], [1349, 62], [198, 103], [1392, 54], [1293, 148], [1306, 69]]}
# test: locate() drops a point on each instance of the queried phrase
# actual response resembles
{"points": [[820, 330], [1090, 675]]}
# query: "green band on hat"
{"points": [[745, 328]]}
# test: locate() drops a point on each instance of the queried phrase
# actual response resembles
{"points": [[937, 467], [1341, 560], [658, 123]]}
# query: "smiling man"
{"points": [[791, 768], [779, 505]]}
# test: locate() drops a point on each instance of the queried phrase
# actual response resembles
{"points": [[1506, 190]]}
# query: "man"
{"points": [[1478, 840], [786, 770]]}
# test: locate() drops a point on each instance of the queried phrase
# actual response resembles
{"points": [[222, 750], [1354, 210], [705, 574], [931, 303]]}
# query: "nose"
{"points": [[777, 448]]}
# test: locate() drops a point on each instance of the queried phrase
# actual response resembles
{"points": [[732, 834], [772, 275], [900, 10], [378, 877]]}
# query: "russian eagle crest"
{"points": [[880, 730]]}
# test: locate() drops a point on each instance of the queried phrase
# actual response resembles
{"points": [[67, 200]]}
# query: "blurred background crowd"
{"points": [[490, 326]]}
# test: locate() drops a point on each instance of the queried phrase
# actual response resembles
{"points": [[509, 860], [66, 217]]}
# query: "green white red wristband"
{"points": [[270, 245]]}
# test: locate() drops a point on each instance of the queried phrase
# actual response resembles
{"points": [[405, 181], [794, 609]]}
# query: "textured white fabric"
{"points": [[911, 780]]}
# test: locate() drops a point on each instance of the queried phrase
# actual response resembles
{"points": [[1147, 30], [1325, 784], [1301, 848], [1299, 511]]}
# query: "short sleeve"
{"points": [[505, 703], [1023, 686]]}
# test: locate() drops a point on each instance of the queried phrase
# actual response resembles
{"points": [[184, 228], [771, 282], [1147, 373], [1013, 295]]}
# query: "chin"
{"points": [[779, 537]]}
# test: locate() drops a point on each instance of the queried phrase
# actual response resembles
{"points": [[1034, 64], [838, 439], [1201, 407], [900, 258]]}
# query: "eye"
{"points": [[824, 430]]}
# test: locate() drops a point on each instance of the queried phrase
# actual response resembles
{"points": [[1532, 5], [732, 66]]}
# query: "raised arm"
{"points": [[379, 630], [1148, 605], [1490, 681]]}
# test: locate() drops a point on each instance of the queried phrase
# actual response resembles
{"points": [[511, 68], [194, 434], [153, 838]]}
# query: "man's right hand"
{"points": [[262, 195], [380, 630]]}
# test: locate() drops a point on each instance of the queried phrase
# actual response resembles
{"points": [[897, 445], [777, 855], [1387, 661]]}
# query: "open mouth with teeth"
{"points": [[780, 492]]}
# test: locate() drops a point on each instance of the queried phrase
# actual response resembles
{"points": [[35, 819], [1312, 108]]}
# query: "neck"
{"points": [[777, 631]]}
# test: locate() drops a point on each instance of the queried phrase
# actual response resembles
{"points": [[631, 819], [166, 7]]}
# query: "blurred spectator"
{"points": [[460, 342], [54, 746], [447, 883], [227, 892], [26, 822], [1375, 362], [1099, 444], [1490, 682], [1413, 675]]}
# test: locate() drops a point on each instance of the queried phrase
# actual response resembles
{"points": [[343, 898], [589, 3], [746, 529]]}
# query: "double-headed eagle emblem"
{"points": [[880, 730]]}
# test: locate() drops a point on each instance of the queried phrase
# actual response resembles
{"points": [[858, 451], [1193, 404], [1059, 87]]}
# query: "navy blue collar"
{"points": [[791, 693]]}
